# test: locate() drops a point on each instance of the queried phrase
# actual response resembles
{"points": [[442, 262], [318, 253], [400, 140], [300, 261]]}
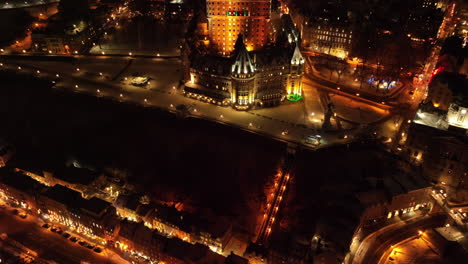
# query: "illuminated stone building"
{"points": [[438, 136], [93, 217], [263, 77], [229, 18], [330, 34], [18, 190]]}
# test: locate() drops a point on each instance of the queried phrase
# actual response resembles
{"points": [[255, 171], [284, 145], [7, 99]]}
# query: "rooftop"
{"points": [[19, 181], [76, 175], [74, 200]]}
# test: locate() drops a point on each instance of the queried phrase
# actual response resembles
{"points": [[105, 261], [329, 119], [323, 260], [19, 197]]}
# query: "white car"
{"points": [[313, 140]]}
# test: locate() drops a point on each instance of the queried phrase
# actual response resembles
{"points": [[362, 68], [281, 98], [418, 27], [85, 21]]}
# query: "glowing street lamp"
{"points": [[19, 67], [77, 69], [57, 75]]}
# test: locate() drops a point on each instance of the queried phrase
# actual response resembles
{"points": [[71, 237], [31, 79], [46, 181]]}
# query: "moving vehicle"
{"points": [[313, 140]]}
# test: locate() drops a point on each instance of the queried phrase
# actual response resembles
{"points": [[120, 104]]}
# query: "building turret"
{"points": [[243, 64], [297, 69], [243, 74]]}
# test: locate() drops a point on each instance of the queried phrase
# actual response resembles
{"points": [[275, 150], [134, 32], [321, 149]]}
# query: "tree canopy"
{"points": [[74, 8]]}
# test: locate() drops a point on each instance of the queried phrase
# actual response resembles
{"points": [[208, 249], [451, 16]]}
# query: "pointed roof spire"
{"points": [[297, 57], [243, 63]]}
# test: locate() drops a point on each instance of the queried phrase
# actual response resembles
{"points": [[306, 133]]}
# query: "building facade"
{"points": [[330, 38], [264, 77], [229, 18]]}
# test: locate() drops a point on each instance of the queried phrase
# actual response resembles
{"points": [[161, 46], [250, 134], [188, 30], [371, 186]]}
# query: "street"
{"points": [[83, 75], [50, 245]]}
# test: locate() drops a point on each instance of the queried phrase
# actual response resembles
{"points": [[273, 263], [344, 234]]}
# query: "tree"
{"points": [[74, 8], [14, 26]]}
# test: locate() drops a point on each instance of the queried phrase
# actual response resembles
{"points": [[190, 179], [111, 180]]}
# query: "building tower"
{"points": [[294, 85], [243, 76], [229, 18]]}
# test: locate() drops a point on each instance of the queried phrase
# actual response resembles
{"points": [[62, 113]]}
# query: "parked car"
{"points": [[97, 249], [83, 243], [46, 226], [66, 235], [90, 246], [73, 239]]}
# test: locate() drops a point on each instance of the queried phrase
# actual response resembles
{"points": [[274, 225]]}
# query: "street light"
{"points": [[77, 69], [19, 67], [129, 54], [57, 75], [76, 85]]}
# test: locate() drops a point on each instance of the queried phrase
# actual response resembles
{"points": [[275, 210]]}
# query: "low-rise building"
{"points": [[331, 33], [93, 217], [18, 189]]}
